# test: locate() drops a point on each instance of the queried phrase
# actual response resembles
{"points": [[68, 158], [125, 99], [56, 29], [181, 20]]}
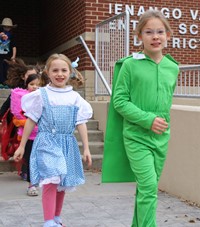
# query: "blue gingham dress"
{"points": [[55, 150]]}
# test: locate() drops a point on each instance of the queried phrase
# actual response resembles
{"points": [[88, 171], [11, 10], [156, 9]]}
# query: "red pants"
{"points": [[52, 201]]}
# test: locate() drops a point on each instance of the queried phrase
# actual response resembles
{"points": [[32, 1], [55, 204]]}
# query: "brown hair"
{"points": [[76, 79], [149, 14], [16, 72]]}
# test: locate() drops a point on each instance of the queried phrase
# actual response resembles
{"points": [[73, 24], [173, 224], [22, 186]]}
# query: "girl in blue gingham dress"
{"points": [[55, 161]]}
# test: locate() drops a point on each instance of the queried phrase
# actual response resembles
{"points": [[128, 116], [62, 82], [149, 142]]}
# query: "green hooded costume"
{"points": [[142, 90]]}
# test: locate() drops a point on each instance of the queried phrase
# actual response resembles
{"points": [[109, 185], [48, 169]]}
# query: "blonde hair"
{"points": [[149, 14], [76, 79]]}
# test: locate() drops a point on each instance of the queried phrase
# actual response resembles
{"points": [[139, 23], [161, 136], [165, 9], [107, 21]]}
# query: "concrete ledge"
{"points": [[186, 108], [100, 113], [182, 169], [7, 166], [189, 101]]}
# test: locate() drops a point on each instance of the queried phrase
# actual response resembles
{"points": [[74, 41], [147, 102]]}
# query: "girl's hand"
{"points": [[87, 157], [159, 125], [18, 155]]}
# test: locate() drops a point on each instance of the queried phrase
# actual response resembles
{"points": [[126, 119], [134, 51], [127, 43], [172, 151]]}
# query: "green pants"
{"points": [[147, 165]]}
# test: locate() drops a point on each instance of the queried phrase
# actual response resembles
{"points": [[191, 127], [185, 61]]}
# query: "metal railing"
{"points": [[188, 83], [111, 44], [103, 80]]}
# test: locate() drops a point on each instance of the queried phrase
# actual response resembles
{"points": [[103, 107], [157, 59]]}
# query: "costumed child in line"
{"points": [[55, 161], [19, 120], [17, 74], [135, 148], [8, 49]]}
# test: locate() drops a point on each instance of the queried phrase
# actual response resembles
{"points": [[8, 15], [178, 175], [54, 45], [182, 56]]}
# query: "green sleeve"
{"points": [[122, 100]]}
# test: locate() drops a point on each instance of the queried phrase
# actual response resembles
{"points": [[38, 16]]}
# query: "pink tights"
{"points": [[52, 201]]}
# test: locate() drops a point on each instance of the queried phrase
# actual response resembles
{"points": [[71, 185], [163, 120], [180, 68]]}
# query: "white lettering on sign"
{"points": [[176, 13], [184, 43], [194, 14], [134, 23]]}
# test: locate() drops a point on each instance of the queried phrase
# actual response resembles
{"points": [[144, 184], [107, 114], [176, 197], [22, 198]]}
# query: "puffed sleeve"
{"points": [[84, 112], [32, 105]]}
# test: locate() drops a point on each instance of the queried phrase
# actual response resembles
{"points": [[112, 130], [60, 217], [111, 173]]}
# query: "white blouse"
{"points": [[32, 103]]}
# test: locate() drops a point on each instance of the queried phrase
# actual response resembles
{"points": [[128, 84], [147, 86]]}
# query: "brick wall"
{"points": [[189, 18], [91, 12], [45, 25], [61, 21]]}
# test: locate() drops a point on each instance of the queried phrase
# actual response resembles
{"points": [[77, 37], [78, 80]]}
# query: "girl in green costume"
{"points": [[143, 86]]}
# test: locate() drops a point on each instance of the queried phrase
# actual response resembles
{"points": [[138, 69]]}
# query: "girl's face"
{"points": [[59, 73], [29, 72], [33, 85], [154, 37]]}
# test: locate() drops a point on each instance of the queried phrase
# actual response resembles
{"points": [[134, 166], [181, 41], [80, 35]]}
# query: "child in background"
{"points": [[19, 120], [141, 101], [55, 161], [8, 49], [17, 75]]}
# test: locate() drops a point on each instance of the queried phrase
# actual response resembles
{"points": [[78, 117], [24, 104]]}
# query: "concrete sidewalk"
{"points": [[92, 205]]}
